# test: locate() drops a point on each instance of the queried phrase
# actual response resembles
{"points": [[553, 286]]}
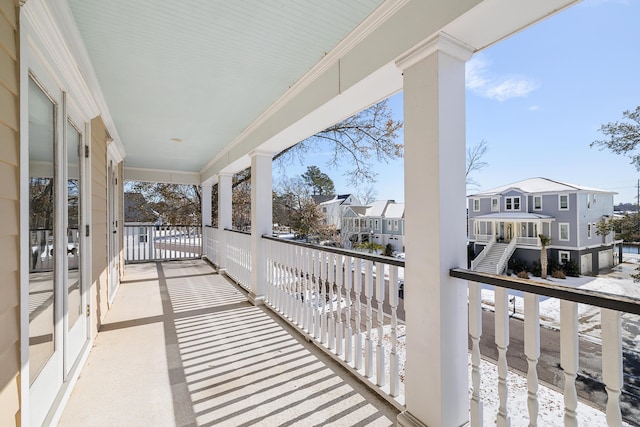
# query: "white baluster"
{"points": [[316, 290], [380, 359], [532, 352], [340, 272], [291, 283], [357, 286], [331, 283], [323, 284], [394, 376], [569, 359], [502, 342], [612, 363], [475, 331], [348, 286], [299, 262], [368, 293], [307, 263]]}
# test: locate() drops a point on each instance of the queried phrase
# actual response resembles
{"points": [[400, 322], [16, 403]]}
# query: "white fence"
{"points": [[153, 243], [344, 302]]}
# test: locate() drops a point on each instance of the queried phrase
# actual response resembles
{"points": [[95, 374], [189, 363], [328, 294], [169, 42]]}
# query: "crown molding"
{"points": [[441, 42]]}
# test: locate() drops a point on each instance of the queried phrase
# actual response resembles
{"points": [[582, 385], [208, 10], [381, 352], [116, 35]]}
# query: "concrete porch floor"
{"points": [[182, 346]]}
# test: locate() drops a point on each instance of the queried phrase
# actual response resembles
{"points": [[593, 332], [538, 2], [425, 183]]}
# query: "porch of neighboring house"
{"points": [[183, 346]]}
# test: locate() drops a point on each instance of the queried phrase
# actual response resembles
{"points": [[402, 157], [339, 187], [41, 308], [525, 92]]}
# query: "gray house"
{"points": [[505, 222]]}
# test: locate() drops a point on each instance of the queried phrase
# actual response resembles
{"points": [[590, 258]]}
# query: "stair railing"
{"points": [[500, 266], [475, 262]]}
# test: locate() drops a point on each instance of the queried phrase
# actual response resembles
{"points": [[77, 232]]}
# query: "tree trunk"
{"points": [[543, 262]]}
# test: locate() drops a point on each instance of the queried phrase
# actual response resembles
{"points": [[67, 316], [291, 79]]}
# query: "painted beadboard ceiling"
{"points": [[202, 70]]}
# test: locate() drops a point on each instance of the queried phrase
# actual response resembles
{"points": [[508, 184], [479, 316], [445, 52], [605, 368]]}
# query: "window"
{"points": [[142, 233], [377, 225], [395, 225], [388, 224], [564, 231], [324, 210], [512, 203], [588, 231], [537, 203], [476, 205], [494, 205], [564, 256], [588, 201], [563, 202]]}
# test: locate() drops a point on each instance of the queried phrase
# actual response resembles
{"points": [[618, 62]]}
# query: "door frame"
{"points": [[57, 74]]}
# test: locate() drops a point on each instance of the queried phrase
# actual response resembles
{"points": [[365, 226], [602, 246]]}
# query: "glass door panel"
{"points": [[42, 219], [73, 249]]}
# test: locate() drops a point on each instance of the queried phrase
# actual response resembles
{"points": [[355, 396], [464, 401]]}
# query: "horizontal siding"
{"points": [[9, 212], [99, 233], [9, 153]]}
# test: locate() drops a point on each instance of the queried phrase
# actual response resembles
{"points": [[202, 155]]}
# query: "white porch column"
{"points": [[261, 220], [225, 208], [436, 307], [206, 205]]}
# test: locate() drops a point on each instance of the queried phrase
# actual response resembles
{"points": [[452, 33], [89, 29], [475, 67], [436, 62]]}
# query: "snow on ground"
{"points": [[551, 402], [617, 282]]}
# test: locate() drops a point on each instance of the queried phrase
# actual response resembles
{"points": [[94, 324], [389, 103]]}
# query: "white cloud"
{"points": [[475, 73], [534, 108], [480, 80]]}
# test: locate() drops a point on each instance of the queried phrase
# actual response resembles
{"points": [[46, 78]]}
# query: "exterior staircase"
{"points": [[488, 264]]}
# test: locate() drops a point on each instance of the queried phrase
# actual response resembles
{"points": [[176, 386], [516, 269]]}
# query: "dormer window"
{"points": [[512, 203], [494, 205], [476, 205]]}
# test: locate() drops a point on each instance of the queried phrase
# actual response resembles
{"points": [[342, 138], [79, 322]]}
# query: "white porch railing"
{"points": [[239, 257], [211, 244], [42, 249], [502, 262], [612, 307], [528, 241], [336, 298], [484, 237], [477, 260], [163, 243]]}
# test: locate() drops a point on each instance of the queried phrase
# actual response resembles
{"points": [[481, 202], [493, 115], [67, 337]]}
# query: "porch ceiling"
{"points": [[202, 72], [225, 78]]}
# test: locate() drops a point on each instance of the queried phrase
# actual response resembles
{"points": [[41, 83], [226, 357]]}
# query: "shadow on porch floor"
{"points": [[181, 346]]}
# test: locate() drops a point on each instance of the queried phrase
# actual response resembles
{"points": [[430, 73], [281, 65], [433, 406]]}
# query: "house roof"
{"points": [[539, 185], [323, 198], [377, 208], [395, 210]]}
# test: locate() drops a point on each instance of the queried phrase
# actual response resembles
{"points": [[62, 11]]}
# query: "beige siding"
{"points": [[9, 212], [99, 235]]}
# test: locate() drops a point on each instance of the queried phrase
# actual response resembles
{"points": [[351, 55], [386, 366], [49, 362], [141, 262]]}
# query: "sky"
{"points": [[538, 100]]}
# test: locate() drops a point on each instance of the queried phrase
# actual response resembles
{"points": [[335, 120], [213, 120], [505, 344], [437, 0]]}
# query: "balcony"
{"points": [[201, 354], [183, 346]]}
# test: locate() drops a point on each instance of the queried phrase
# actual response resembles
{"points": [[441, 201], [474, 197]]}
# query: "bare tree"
{"points": [[367, 194], [475, 163], [355, 142]]}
